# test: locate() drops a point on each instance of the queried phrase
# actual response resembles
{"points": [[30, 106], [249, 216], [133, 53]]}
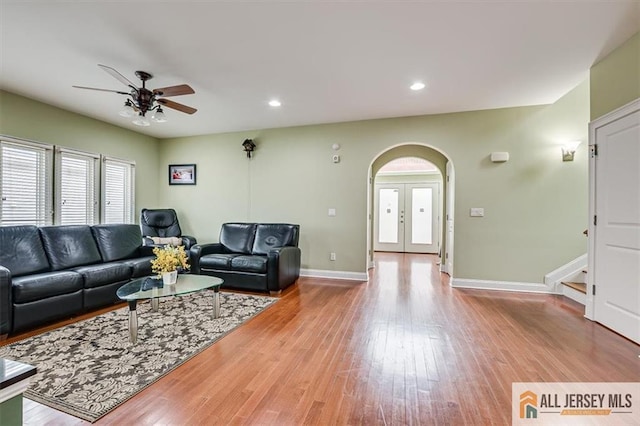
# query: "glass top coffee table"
{"points": [[153, 288]]}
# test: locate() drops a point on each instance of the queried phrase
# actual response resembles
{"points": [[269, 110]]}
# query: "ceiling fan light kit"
{"points": [[142, 121], [158, 115], [127, 110], [142, 100]]}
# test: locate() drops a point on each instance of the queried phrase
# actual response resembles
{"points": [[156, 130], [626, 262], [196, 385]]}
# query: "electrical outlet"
{"points": [[332, 256]]}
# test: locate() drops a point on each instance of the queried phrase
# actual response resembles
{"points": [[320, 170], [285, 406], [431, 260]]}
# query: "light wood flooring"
{"points": [[402, 349]]}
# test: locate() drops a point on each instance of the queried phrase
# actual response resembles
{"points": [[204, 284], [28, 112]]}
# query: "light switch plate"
{"points": [[332, 212], [476, 212]]}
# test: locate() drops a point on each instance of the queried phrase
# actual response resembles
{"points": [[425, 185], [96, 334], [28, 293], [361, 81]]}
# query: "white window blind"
{"points": [[118, 191], [76, 187], [25, 183]]}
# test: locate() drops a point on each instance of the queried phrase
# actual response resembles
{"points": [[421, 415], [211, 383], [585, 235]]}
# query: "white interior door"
{"points": [[449, 211], [616, 265], [407, 218]]}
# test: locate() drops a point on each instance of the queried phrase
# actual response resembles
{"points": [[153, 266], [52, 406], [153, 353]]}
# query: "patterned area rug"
{"points": [[88, 368]]}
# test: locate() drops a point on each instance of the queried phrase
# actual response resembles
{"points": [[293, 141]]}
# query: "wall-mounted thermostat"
{"points": [[336, 158], [499, 157]]}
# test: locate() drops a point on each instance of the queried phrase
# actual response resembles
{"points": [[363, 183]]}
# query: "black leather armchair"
{"points": [[162, 223]]}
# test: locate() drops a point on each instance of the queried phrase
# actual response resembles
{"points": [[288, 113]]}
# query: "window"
{"points": [[25, 183], [76, 187], [41, 185], [117, 191]]}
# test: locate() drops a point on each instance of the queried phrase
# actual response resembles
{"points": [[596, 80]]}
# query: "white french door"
{"points": [[407, 218]]}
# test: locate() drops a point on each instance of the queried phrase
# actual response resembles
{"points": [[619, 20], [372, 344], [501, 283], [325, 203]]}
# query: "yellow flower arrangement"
{"points": [[169, 258]]}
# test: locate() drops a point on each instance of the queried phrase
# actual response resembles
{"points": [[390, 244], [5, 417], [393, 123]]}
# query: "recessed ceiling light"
{"points": [[274, 103], [417, 86]]}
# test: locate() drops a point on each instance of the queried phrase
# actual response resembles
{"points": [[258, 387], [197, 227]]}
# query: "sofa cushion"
{"points": [[257, 264], [273, 235], [104, 273], [22, 250], [117, 241], [217, 261], [238, 237], [40, 286], [69, 246]]}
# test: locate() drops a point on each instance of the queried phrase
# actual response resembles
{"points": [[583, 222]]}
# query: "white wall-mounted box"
{"points": [[499, 157]]}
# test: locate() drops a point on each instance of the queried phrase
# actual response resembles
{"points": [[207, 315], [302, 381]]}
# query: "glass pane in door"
{"points": [[421, 218], [388, 216]]}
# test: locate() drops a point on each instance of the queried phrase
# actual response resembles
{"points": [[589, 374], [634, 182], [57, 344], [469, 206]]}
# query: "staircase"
{"points": [[575, 288]]}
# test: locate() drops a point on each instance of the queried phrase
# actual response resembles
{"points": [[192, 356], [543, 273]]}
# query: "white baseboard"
{"points": [[335, 275], [500, 285], [552, 279]]}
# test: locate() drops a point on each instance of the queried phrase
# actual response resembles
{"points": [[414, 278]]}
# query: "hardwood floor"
{"points": [[401, 349]]}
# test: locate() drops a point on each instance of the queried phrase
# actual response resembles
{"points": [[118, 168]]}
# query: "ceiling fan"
{"points": [[142, 100]]}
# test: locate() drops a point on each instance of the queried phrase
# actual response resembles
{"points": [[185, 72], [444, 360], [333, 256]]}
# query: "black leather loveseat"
{"points": [[53, 272], [251, 256]]}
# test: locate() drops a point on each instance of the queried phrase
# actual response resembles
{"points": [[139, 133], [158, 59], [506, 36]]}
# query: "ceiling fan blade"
{"points": [[115, 74], [176, 106], [102, 90], [181, 89]]}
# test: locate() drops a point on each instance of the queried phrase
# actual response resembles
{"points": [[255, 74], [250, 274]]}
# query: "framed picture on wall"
{"points": [[182, 174]]}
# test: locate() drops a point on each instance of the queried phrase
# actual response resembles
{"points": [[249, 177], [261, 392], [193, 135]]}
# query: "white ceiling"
{"points": [[327, 61]]}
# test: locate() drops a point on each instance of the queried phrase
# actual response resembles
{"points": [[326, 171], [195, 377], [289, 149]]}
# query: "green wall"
{"points": [[535, 204], [615, 80], [25, 118]]}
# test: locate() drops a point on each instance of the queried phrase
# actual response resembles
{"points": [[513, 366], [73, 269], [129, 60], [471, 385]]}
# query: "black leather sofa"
{"points": [[53, 272], [251, 256]]}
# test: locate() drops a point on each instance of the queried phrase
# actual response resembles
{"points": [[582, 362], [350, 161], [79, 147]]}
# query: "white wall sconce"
{"points": [[569, 150]]}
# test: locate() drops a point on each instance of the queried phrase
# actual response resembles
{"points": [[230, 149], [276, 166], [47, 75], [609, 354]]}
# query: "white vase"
{"points": [[169, 278]]}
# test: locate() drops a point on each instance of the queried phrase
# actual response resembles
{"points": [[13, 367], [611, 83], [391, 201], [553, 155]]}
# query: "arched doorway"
{"points": [[445, 170]]}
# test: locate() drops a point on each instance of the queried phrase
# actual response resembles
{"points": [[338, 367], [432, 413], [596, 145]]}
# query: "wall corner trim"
{"points": [[500, 285], [335, 275]]}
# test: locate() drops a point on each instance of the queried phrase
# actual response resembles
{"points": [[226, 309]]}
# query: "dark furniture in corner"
{"points": [[251, 256], [162, 223], [54, 272]]}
